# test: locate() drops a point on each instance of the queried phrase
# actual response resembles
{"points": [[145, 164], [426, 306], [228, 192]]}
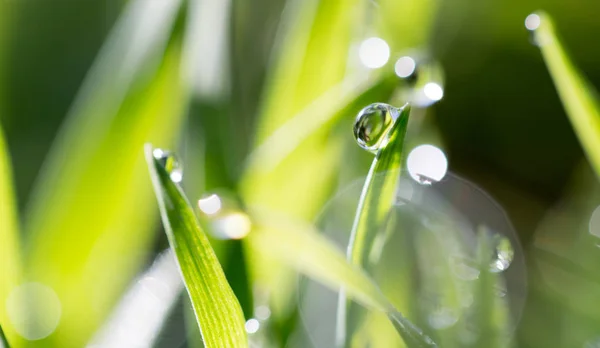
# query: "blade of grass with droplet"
{"points": [[303, 248], [91, 220], [10, 255], [374, 204], [217, 310], [578, 96]]}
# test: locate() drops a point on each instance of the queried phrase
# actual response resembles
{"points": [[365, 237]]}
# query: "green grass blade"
{"points": [[10, 256], [91, 221], [3, 340], [374, 204], [300, 246], [577, 95], [217, 310]]}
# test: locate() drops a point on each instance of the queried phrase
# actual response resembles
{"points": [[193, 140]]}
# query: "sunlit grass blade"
{"points": [[91, 220], [217, 310], [10, 255], [300, 246], [578, 96], [138, 318], [374, 204]]}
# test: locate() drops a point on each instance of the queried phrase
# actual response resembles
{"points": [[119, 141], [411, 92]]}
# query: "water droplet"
{"points": [[170, 162], [503, 254], [427, 164], [34, 310], [252, 326], [405, 67], [373, 124], [374, 52], [227, 220]]}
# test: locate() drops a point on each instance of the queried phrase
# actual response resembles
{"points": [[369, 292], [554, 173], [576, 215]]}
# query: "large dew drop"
{"points": [[373, 124], [170, 162]]}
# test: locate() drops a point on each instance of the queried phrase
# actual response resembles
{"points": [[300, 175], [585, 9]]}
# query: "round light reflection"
{"points": [[210, 205], [34, 310], [252, 326], [532, 22], [374, 52], [433, 91], [427, 163], [595, 222], [233, 226], [405, 66]]}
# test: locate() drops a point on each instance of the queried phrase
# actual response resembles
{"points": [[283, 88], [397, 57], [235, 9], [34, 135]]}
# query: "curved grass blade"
{"points": [[300, 246], [375, 202], [578, 96], [91, 221], [217, 310], [10, 256]]}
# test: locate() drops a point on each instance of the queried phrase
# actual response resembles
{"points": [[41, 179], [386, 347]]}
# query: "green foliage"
{"points": [[217, 310], [578, 96]]}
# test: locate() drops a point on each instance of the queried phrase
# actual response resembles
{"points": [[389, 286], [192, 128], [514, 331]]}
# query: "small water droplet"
{"points": [[373, 124], [533, 21], [227, 220], [405, 67], [424, 77], [503, 254], [170, 162]]}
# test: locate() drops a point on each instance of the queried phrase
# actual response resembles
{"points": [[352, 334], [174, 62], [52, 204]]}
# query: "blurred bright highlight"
{"points": [[34, 310], [405, 66], [210, 205], [374, 52], [427, 163]]}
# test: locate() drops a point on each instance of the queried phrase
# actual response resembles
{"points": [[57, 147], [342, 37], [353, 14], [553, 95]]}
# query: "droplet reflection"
{"points": [[503, 254], [374, 52], [222, 211], [427, 164], [433, 91], [232, 226]]}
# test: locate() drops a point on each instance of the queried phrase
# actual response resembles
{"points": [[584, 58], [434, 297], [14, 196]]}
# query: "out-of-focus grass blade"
{"points": [[338, 101], [91, 219], [3, 340], [578, 96], [311, 58], [374, 204], [303, 248], [10, 256], [217, 310], [138, 318]]}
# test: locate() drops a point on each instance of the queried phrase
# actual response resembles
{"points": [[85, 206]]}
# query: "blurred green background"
{"points": [[501, 124]]}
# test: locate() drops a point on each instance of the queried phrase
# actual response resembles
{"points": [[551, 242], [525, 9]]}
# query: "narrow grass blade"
{"points": [[300, 246], [578, 96], [10, 256], [374, 204], [138, 318], [91, 221], [217, 310], [3, 340]]}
